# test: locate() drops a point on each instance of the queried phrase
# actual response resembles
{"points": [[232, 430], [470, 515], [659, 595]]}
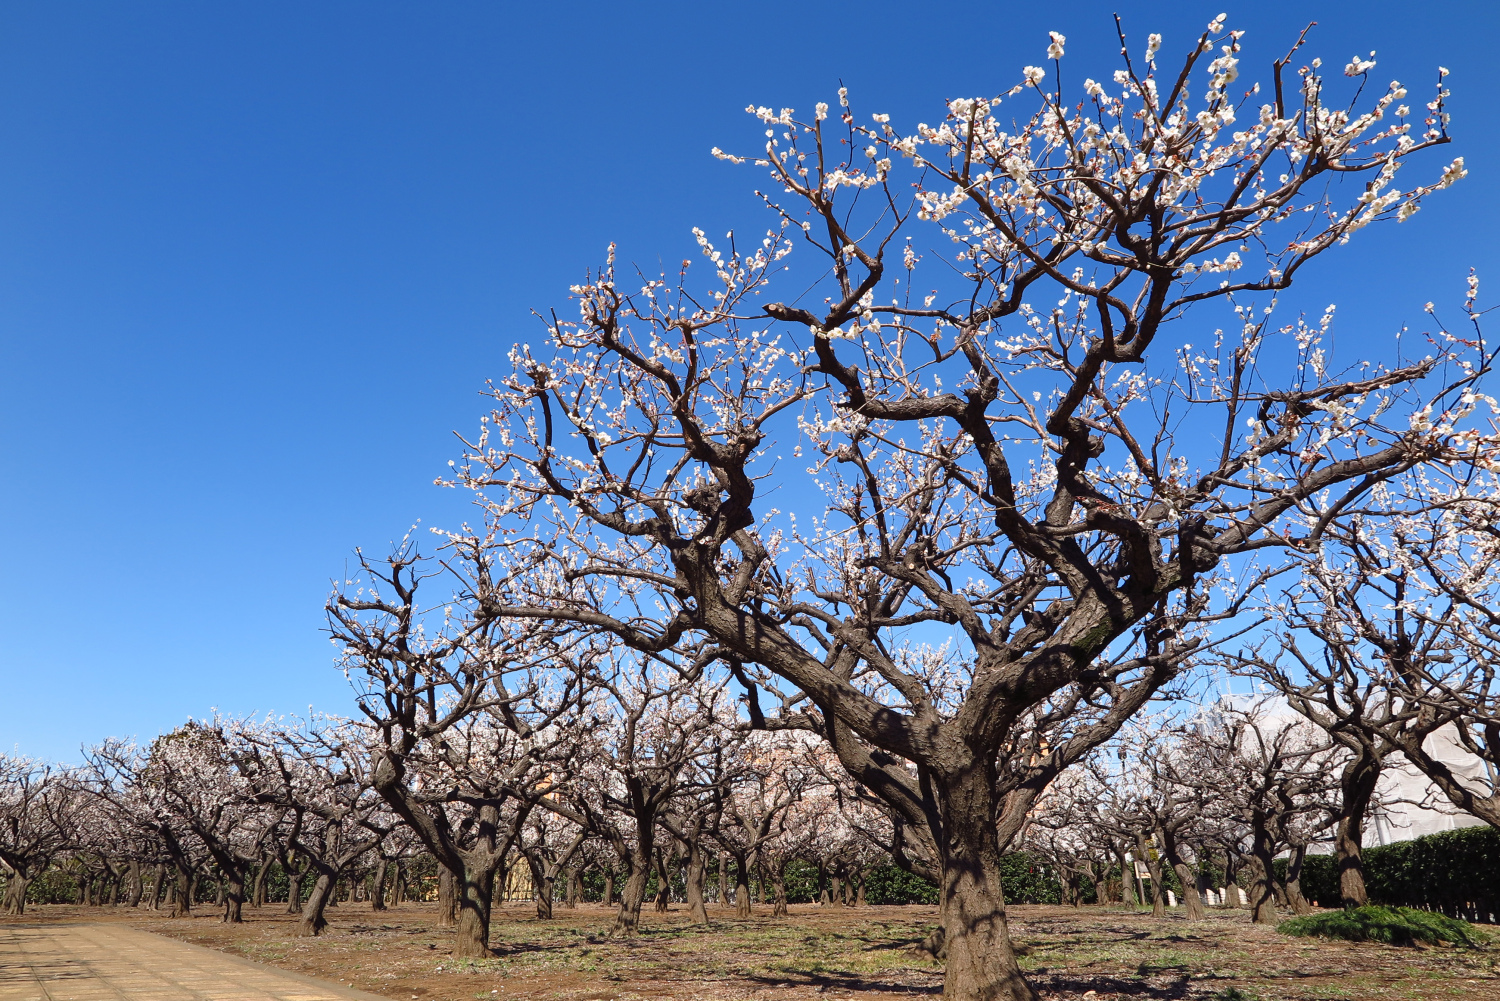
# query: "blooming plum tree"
{"points": [[1021, 498]]}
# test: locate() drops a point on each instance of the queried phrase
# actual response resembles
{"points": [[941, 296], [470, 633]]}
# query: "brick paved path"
{"points": [[111, 962]]}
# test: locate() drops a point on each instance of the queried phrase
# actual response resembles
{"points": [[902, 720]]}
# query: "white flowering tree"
{"points": [[184, 791], [648, 732], [1389, 640], [764, 776], [317, 776], [963, 497], [468, 710], [1274, 776], [38, 819]]}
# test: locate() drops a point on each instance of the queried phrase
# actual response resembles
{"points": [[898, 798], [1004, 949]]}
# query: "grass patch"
{"points": [[1392, 925]]}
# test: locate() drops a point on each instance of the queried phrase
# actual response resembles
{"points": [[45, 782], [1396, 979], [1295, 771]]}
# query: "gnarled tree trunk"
{"points": [[471, 938], [1191, 901], [1262, 898], [313, 922], [234, 896], [541, 886], [981, 964], [1294, 895], [1358, 782], [258, 886], [697, 870], [294, 889], [741, 886], [15, 893], [447, 915], [628, 921], [778, 888], [377, 891]]}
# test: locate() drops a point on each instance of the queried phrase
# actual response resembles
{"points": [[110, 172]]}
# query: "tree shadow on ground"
{"points": [[1072, 985], [844, 982]]}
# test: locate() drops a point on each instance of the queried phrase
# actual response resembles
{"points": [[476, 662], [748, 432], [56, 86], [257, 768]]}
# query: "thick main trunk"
{"points": [[15, 894], [697, 870], [778, 888], [723, 879], [447, 914], [742, 888], [313, 922], [574, 887], [609, 887], [158, 884], [182, 888], [1262, 898], [471, 938], [258, 886], [628, 921], [377, 891], [981, 964], [293, 890], [1127, 879], [1358, 783], [663, 886], [543, 887], [234, 897], [1191, 901], [135, 886], [1294, 894]]}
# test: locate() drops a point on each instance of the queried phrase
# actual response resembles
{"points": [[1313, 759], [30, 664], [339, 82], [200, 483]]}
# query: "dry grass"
{"points": [[827, 951]]}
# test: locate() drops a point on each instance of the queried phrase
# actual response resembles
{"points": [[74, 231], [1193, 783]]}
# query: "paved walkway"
{"points": [[112, 962]]}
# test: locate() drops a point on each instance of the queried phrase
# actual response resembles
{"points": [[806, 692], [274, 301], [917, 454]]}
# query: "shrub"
{"points": [[1453, 871], [1376, 923], [1320, 879], [888, 884]]}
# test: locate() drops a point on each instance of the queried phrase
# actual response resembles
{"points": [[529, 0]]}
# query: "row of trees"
{"points": [[1019, 509], [230, 803]]}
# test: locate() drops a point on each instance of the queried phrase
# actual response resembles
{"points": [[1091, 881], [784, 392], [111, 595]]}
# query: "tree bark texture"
{"points": [[981, 964], [1358, 782], [447, 915], [15, 894], [697, 870], [1295, 898], [628, 921], [234, 897], [1262, 898], [471, 938], [377, 891], [313, 922]]}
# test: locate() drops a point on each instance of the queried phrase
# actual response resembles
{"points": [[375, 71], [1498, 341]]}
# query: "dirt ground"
{"points": [[1094, 953]]}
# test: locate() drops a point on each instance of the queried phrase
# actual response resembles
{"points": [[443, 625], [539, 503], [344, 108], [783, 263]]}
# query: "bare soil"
{"points": [[1095, 953]]}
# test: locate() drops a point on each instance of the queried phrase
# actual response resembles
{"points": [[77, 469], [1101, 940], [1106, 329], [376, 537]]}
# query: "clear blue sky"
{"points": [[257, 259]]}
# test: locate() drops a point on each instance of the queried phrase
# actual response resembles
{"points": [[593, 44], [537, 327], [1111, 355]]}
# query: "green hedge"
{"points": [[1455, 872], [1320, 879], [890, 884]]}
